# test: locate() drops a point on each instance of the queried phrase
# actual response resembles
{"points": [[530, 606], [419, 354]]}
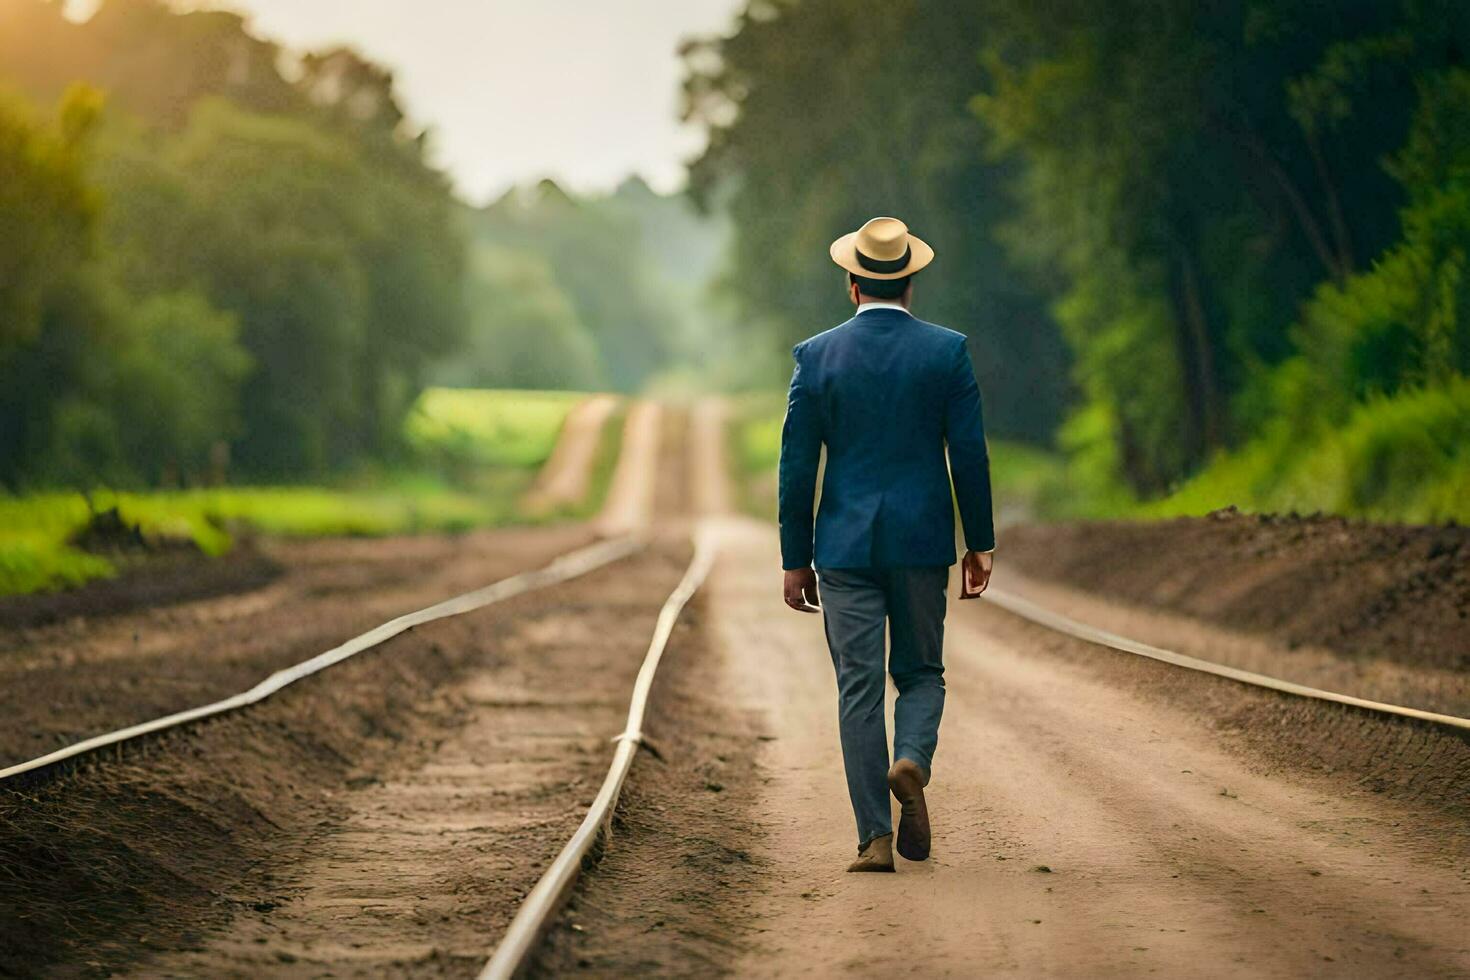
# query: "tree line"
{"points": [[208, 265], [584, 292], [1171, 229]]}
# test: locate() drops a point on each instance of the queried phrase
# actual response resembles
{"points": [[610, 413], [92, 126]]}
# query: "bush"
{"points": [[1399, 458]]}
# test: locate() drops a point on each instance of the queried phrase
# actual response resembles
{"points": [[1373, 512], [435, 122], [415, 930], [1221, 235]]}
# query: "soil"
{"points": [[1364, 591], [146, 580], [1095, 814], [683, 836], [101, 668], [566, 479], [384, 815]]}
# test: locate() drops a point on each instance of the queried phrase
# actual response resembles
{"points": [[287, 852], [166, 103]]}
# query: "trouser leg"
{"points": [[915, 598], [854, 612]]}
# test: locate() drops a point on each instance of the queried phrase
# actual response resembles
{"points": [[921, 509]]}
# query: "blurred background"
{"points": [[323, 267]]}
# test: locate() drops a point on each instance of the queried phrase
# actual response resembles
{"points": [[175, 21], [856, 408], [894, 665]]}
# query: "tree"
{"points": [[524, 331], [47, 208], [822, 114]]}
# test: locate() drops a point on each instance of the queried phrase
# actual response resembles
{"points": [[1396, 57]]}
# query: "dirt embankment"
{"points": [[683, 833], [1363, 591], [100, 668], [288, 838]]}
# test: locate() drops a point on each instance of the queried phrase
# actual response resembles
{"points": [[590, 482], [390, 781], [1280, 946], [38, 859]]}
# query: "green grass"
{"points": [[480, 451], [489, 428], [609, 448], [755, 449], [1403, 459]]}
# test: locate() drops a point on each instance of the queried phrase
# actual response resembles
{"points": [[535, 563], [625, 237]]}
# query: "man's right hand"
{"points": [[800, 587]]}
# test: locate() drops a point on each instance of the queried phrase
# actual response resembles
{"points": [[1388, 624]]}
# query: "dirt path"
{"points": [[420, 862], [566, 478], [634, 489], [1427, 686], [1165, 853], [382, 818], [1095, 816], [710, 487]]}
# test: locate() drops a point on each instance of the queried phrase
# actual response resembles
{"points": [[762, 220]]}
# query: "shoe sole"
{"points": [[865, 868], [912, 840]]}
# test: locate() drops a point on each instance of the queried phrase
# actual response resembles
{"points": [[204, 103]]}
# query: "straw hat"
{"points": [[882, 249]]}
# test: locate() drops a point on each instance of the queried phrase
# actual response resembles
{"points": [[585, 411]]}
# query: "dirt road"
{"points": [[634, 491], [1091, 819], [1164, 852], [566, 479]]}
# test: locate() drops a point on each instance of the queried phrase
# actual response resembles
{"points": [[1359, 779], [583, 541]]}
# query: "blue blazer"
{"points": [[884, 392]]}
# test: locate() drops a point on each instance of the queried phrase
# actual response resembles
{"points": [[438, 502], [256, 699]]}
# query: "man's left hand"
{"points": [[975, 573], [800, 587]]}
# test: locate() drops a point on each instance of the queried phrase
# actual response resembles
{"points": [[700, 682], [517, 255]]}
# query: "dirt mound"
{"points": [[147, 578], [107, 531], [658, 901], [174, 851], [151, 571], [1361, 590]]}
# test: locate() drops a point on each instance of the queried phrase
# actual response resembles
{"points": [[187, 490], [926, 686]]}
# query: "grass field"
{"points": [[478, 452], [515, 429]]}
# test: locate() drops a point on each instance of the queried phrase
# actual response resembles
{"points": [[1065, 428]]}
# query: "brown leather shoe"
{"points": [[906, 780], [877, 856]]}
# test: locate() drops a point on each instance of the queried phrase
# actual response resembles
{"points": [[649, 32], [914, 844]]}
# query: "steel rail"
{"points": [[546, 898], [568, 566], [1042, 616]]}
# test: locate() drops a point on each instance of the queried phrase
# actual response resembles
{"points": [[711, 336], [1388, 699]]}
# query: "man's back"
{"points": [[884, 392]]}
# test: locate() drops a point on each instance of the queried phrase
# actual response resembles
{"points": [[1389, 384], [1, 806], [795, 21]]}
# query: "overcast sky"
{"points": [[584, 91]]}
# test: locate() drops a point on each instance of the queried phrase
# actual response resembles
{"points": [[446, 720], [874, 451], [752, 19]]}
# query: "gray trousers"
{"points": [[857, 603]]}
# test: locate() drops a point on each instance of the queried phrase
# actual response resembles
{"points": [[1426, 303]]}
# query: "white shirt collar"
{"points": [[876, 305]]}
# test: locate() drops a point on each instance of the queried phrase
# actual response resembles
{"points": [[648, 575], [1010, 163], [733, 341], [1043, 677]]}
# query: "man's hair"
{"points": [[880, 288]]}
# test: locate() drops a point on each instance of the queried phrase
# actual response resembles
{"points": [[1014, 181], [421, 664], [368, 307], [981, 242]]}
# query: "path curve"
{"points": [[708, 479], [566, 478], [630, 498]]}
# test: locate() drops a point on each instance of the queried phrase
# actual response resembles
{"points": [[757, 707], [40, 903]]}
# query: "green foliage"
{"points": [[340, 287], [524, 331], [822, 114], [47, 210], [494, 428], [232, 268], [591, 280], [35, 530], [490, 442], [1193, 204], [1401, 458]]}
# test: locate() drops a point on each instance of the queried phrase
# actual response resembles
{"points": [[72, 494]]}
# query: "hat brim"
{"points": [[844, 253]]}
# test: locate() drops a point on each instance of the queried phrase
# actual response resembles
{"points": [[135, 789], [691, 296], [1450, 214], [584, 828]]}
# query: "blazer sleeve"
{"points": [[801, 449], [969, 460]]}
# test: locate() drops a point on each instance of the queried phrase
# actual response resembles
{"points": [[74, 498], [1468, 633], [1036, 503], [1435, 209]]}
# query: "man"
{"points": [[885, 393]]}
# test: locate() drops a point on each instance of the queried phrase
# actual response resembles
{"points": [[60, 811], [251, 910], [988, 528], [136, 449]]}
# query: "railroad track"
{"points": [[547, 896]]}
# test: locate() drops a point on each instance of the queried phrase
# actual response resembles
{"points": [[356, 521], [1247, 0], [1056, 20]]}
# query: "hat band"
{"points": [[883, 265]]}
